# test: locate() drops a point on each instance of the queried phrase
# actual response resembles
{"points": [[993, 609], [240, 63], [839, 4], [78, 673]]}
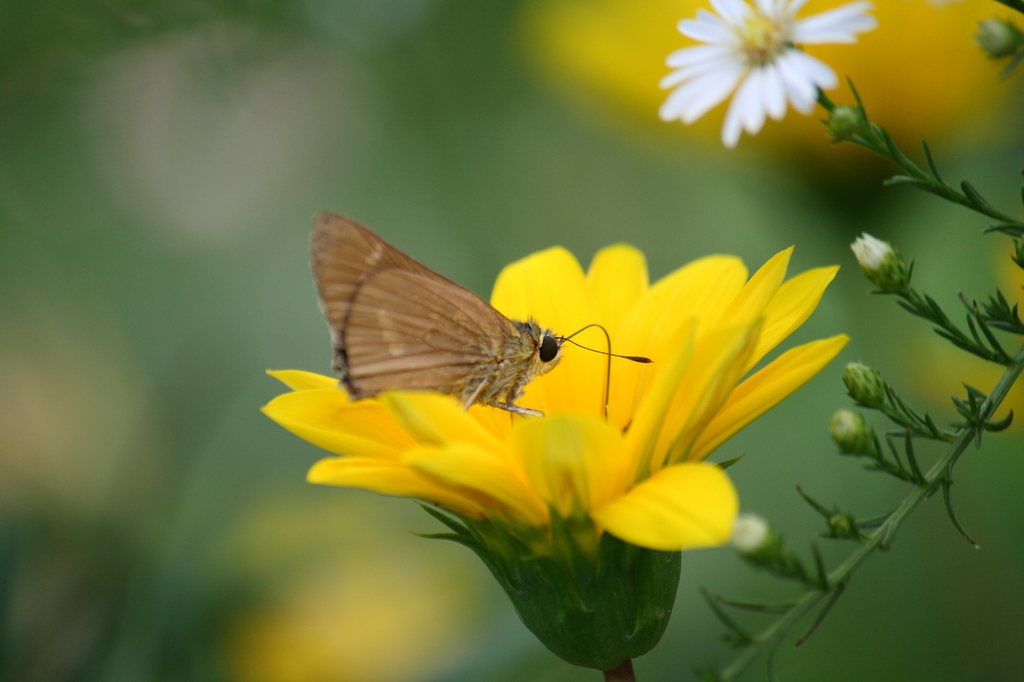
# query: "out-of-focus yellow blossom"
{"points": [[371, 614], [638, 472], [920, 72]]}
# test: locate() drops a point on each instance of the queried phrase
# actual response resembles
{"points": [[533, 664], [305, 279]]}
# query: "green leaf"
{"points": [[999, 425], [817, 506], [931, 162], [819, 563], [1012, 229], [462, 540], [454, 525], [908, 448], [974, 197], [729, 462], [777, 609], [952, 514], [739, 636], [905, 180]]}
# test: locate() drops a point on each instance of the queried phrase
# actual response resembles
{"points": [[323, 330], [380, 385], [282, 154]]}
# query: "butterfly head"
{"points": [[542, 346]]}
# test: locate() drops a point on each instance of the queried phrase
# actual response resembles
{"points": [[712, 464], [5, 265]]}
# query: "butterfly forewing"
{"points": [[343, 253], [396, 323]]}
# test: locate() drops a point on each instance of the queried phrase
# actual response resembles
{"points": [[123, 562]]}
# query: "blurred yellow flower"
{"points": [[349, 605], [637, 473], [920, 72]]}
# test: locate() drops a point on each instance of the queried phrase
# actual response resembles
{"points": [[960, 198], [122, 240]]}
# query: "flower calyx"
{"points": [[592, 599]]}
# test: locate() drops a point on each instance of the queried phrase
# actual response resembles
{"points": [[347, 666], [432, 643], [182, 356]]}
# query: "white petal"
{"points": [[731, 126], [820, 73], [715, 57], [707, 28], [673, 79], [839, 25], [773, 92], [691, 56], [692, 73], [691, 101], [801, 90], [767, 7], [795, 6], [751, 97], [733, 11], [744, 110]]}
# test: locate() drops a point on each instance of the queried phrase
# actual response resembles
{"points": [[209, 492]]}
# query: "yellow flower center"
{"points": [[764, 38]]}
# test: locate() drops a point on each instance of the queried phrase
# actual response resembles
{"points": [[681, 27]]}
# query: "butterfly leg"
{"points": [[516, 409], [481, 393], [475, 394]]}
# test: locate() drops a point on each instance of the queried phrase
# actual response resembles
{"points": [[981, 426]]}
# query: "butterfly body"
{"points": [[396, 324]]}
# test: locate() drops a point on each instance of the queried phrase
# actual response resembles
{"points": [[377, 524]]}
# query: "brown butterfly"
{"points": [[397, 324]]}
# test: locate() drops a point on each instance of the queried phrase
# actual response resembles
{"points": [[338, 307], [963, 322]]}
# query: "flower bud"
{"points": [[750, 533], [865, 384], [852, 433], [999, 38], [882, 264], [844, 122], [839, 526]]}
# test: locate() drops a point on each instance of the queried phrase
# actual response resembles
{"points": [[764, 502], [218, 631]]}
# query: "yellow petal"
{"points": [[766, 389], [479, 475], [751, 301], [328, 419], [706, 287], [497, 421], [389, 478], [790, 308], [719, 360], [681, 507], [701, 290], [617, 277], [574, 462], [550, 287], [645, 427], [432, 419], [298, 380]]}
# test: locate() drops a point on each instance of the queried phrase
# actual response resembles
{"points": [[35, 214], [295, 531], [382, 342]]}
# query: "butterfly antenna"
{"points": [[609, 353]]}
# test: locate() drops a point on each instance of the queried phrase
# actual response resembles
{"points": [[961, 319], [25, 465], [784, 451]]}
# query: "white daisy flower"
{"points": [[752, 49]]}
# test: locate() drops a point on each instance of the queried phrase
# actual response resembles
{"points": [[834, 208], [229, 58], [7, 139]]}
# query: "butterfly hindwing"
{"points": [[394, 322]]}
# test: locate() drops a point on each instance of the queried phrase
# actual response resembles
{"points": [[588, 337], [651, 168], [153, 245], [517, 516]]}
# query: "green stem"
{"points": [[877, 139], [884, 534], [930, 184], [624, 673]]}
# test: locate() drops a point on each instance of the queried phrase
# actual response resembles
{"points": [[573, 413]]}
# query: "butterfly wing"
{"points": [[395, 323]]}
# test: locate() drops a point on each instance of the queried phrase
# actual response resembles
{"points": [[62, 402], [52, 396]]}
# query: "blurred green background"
{"points": [[159, 166]]}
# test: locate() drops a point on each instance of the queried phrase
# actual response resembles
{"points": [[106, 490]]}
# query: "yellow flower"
{"points": [[639, 473], [919, 72]]}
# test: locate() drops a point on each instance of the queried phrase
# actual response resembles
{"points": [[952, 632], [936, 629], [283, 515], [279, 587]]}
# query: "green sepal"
{"points": [[594, 601]]}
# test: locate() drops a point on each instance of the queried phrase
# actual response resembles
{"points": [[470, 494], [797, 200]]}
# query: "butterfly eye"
{"points": [[548, 349]]}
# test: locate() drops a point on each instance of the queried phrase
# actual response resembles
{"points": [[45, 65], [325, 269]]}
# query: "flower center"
{"points": [[764, 38]]}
